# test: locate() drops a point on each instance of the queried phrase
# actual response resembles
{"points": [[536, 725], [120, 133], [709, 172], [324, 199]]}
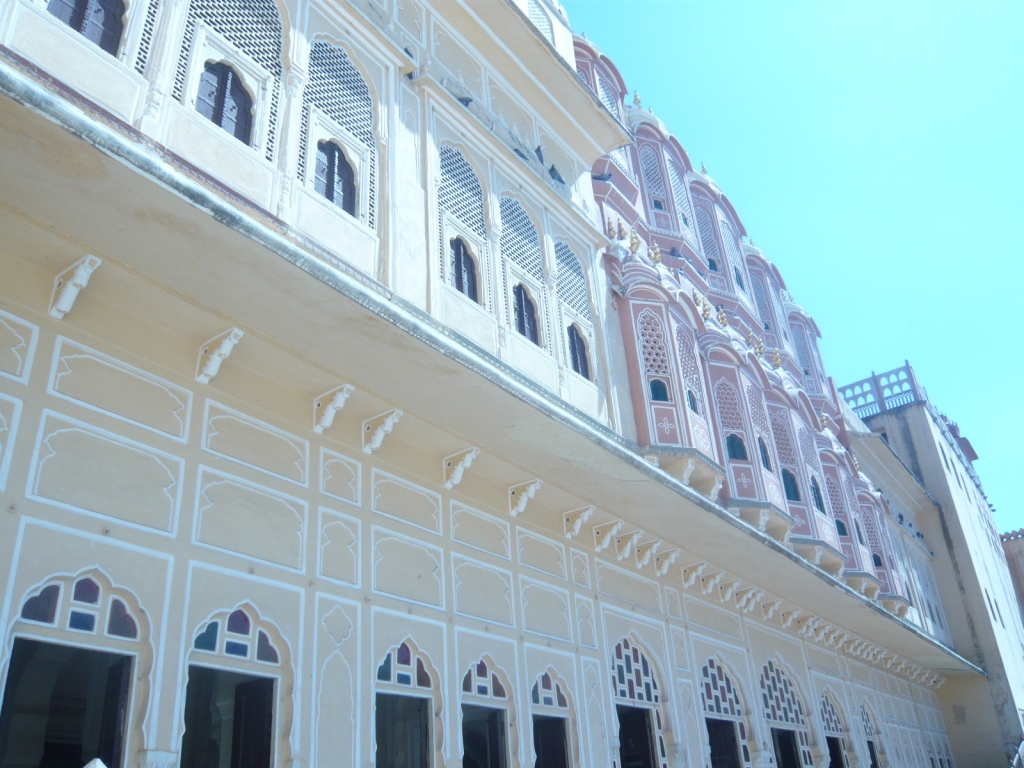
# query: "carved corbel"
{"points": [[519, 495], [808, 626], [662, 561], [746, 600], [625, 542], [604, 533], [715, 488], [728, 590], [710, 581], [693, 572], [326, 407], [214, 352], [574, 520], [69, 283], [376, 427], [644, 552], [455, 465], [788, 617], [768, 610]]}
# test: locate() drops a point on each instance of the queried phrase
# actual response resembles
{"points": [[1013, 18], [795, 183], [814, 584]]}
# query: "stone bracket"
{"points": [[327, 405], [69, 283], [519, 495], [376, 427], [603, 534], [662, 561], [214, 352], [454, 466], [575, 519], [625, 542], [646, 551]]}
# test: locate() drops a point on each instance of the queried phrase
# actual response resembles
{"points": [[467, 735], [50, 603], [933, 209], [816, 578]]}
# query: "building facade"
{"points": [[381, 385]]}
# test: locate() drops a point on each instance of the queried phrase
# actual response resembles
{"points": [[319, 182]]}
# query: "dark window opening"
{"points": [[63, 706], [836, 759], [659, 205], [841, 528], [873, 754], [550, 742], [578, 352], [659, 392], [99, 21], [739, 279], [735, 448], [691, 400], [819, 502], [712, 265], [860, 533], [725, 747], [483, 737], [463, 269], [403, 731], [636, 745], [789, 484], [525, 313], [787, 754], [223, 100], [213, 739], [766, 459], [334, 177], [876, 559]]}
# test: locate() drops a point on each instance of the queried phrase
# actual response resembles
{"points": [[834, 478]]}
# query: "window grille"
{"points": [[783, 443], [801, 350], [632, 675], [652, 343], [398, 668], [835, 498], [459, 192], [254, 26], [718, 694], [830, 719], [683, 210], [781, 705], [809, 451], [621, 158], [757, 412], [728, 405], [688, 363], [480, 681], [773, 291], [541, 20], [571, 283], [706, 230], [608, 95], [761, 299], [338, 88], [730, 238], [652, 171], [520, 242], [548, 693], [146, 39]]}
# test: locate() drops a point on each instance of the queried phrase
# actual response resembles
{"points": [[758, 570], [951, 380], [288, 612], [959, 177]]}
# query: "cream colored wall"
{"points": [[195, 499]]}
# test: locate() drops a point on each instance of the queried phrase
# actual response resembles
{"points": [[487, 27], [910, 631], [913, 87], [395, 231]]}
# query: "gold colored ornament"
{"points": [[634, 242], [856, 464], [705, 310], [611, 228], [723, 319], [636, 98], [655, 253], [703, 168], [751, 341], [751, 241], [696, 298], [776, 359], [622, 230], [760, 348], [824, 420]]}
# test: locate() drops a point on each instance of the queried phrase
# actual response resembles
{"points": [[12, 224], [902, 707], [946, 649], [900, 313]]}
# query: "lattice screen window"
{"points": [[146, 39], [728, 405], [809, 451], [520, 242], [571, 283], [830, 719], [608, 95], [835, 498], [706, 230], [688, 363], [761, 299], [869, 723], [683, 210], [801, 350], [338, 88], [540, 20], [781, 705], [757, 412], [460, 192], [717, 694], [652, 343], [652, 172], [621, 158], [254, 27], [730, 238]]}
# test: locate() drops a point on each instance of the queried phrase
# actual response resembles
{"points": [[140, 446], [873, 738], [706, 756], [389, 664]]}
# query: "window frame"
{"points": [[322, 128], [729, 447], [453, 277], [584, 350], [531, 294], [208, 46]]}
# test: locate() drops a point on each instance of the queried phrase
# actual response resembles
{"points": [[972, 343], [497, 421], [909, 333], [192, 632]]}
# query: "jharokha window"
{"points": [[735, 448], [463, 269], [334, 178], [525, 313], [99, 21], [223, 100]]}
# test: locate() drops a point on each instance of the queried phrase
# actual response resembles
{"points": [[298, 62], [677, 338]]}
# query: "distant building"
{"points": [[382, 385], [1013, 548]]}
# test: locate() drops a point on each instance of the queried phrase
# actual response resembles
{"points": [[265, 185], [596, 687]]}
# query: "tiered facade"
{"points": [[380, 384]]}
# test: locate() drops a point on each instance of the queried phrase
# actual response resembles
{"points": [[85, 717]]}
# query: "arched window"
{"points": [[691, 400], [876, 559], [487, 713], [723, 718], [841, 528], [551, 723], [570, 282], [789, 483], [223, 99], [785, 715], [766, 460], [860, 533], [525, 313], [735, 448], [463, 269], [637, 699], [403, 702], [578, 352], [334, 177], [659, 392], [99, 21], [819, 502], [739, 279]]}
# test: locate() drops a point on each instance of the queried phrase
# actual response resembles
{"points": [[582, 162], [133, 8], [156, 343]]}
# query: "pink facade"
{"points": [[722, 364]]}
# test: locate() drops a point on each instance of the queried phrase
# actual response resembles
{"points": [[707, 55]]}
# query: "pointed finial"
{"points": [[636, 98], [824, 420], [723, 319], [856, 464], [611, 228], [703, 168], [776, 359], [696, 297], [655, 253], [751, 240], [760, 348], [705, 311], [751, 341], [621, 231], [634, 242]]}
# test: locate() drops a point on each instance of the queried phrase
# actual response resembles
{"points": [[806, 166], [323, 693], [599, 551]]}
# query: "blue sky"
{"points": [[873, 151]]}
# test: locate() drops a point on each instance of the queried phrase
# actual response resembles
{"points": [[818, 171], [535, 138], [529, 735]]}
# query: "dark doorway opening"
{"points": [[873, 754], [403, 731], [636, 747], [725, 745], [550, 742], [787, 754], [483, 737], [63, 706], [836, 759], [229, 719]]}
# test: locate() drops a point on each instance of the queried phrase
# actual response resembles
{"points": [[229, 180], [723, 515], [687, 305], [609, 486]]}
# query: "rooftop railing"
{"points": [[883, 392]]}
